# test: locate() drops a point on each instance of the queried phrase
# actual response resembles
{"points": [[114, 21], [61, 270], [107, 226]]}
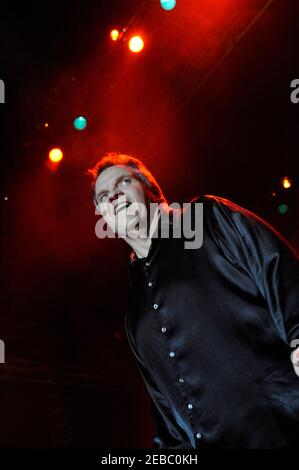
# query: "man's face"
{"points": [[121, 199]]}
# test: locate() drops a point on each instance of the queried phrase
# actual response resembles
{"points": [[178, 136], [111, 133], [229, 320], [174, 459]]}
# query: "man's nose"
{"points": [[115, 194]]}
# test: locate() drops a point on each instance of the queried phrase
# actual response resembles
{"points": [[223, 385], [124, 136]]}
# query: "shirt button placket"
{"points": [[172, 354], [155, 307]]}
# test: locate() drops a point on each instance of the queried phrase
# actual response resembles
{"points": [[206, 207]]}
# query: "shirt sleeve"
{"points": [[167, 434], [256, 247]]}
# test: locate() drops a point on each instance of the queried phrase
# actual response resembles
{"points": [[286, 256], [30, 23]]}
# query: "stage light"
{"points": [[46, 125], [55, 155], [286, 182], [283, 208], [80, 123], [168, 4], [114, 34], [136, 44]]}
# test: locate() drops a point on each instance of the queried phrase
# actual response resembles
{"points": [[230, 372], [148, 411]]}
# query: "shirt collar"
{"points": [[155, 242]]}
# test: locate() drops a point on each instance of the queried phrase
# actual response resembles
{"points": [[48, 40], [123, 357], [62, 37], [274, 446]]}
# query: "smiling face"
{"points": [[121, 199]]}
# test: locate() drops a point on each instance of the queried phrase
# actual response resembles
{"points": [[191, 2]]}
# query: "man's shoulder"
{"points": [[211, 204], [237, 222], [225, 207], [211, 199], [225, 215]]}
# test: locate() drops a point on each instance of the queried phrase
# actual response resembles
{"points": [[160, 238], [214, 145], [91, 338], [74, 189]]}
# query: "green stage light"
{"points": [[168, 4], [283, 208], [80, 123]]}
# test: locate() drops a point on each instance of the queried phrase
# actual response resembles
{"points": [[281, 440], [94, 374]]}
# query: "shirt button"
{"points": [[172, 354], [147, 263], [190, 406], [181, 380], [163, 329], [198, 435], [150, 284], [155, 306]]}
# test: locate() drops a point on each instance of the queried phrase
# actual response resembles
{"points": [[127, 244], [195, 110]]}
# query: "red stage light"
{"points": [[286, 182], [136, 44], [114, 34], [55, 155]]}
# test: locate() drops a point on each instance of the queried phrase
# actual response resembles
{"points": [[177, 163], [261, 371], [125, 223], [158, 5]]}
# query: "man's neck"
{"points": [[141, 244]]}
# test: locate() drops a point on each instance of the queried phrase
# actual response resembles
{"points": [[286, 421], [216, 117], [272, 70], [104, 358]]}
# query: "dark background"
{"points": [[206, 106]]}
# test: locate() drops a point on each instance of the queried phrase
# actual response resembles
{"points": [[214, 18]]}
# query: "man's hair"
{"points": [[154, 191]]}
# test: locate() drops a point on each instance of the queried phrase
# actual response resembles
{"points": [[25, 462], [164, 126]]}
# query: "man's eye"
{"points": [[125, 181], [103, 196]]}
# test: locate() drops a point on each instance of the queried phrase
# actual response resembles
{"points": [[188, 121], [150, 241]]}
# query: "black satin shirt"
{"points": [[210, 329]]}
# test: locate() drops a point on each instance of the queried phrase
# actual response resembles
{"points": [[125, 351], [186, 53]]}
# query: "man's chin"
{"points": [[132, 229], [133, 232], [127, 232]]}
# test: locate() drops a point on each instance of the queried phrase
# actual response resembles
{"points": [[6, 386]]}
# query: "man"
{"points": [[212, 329]]}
